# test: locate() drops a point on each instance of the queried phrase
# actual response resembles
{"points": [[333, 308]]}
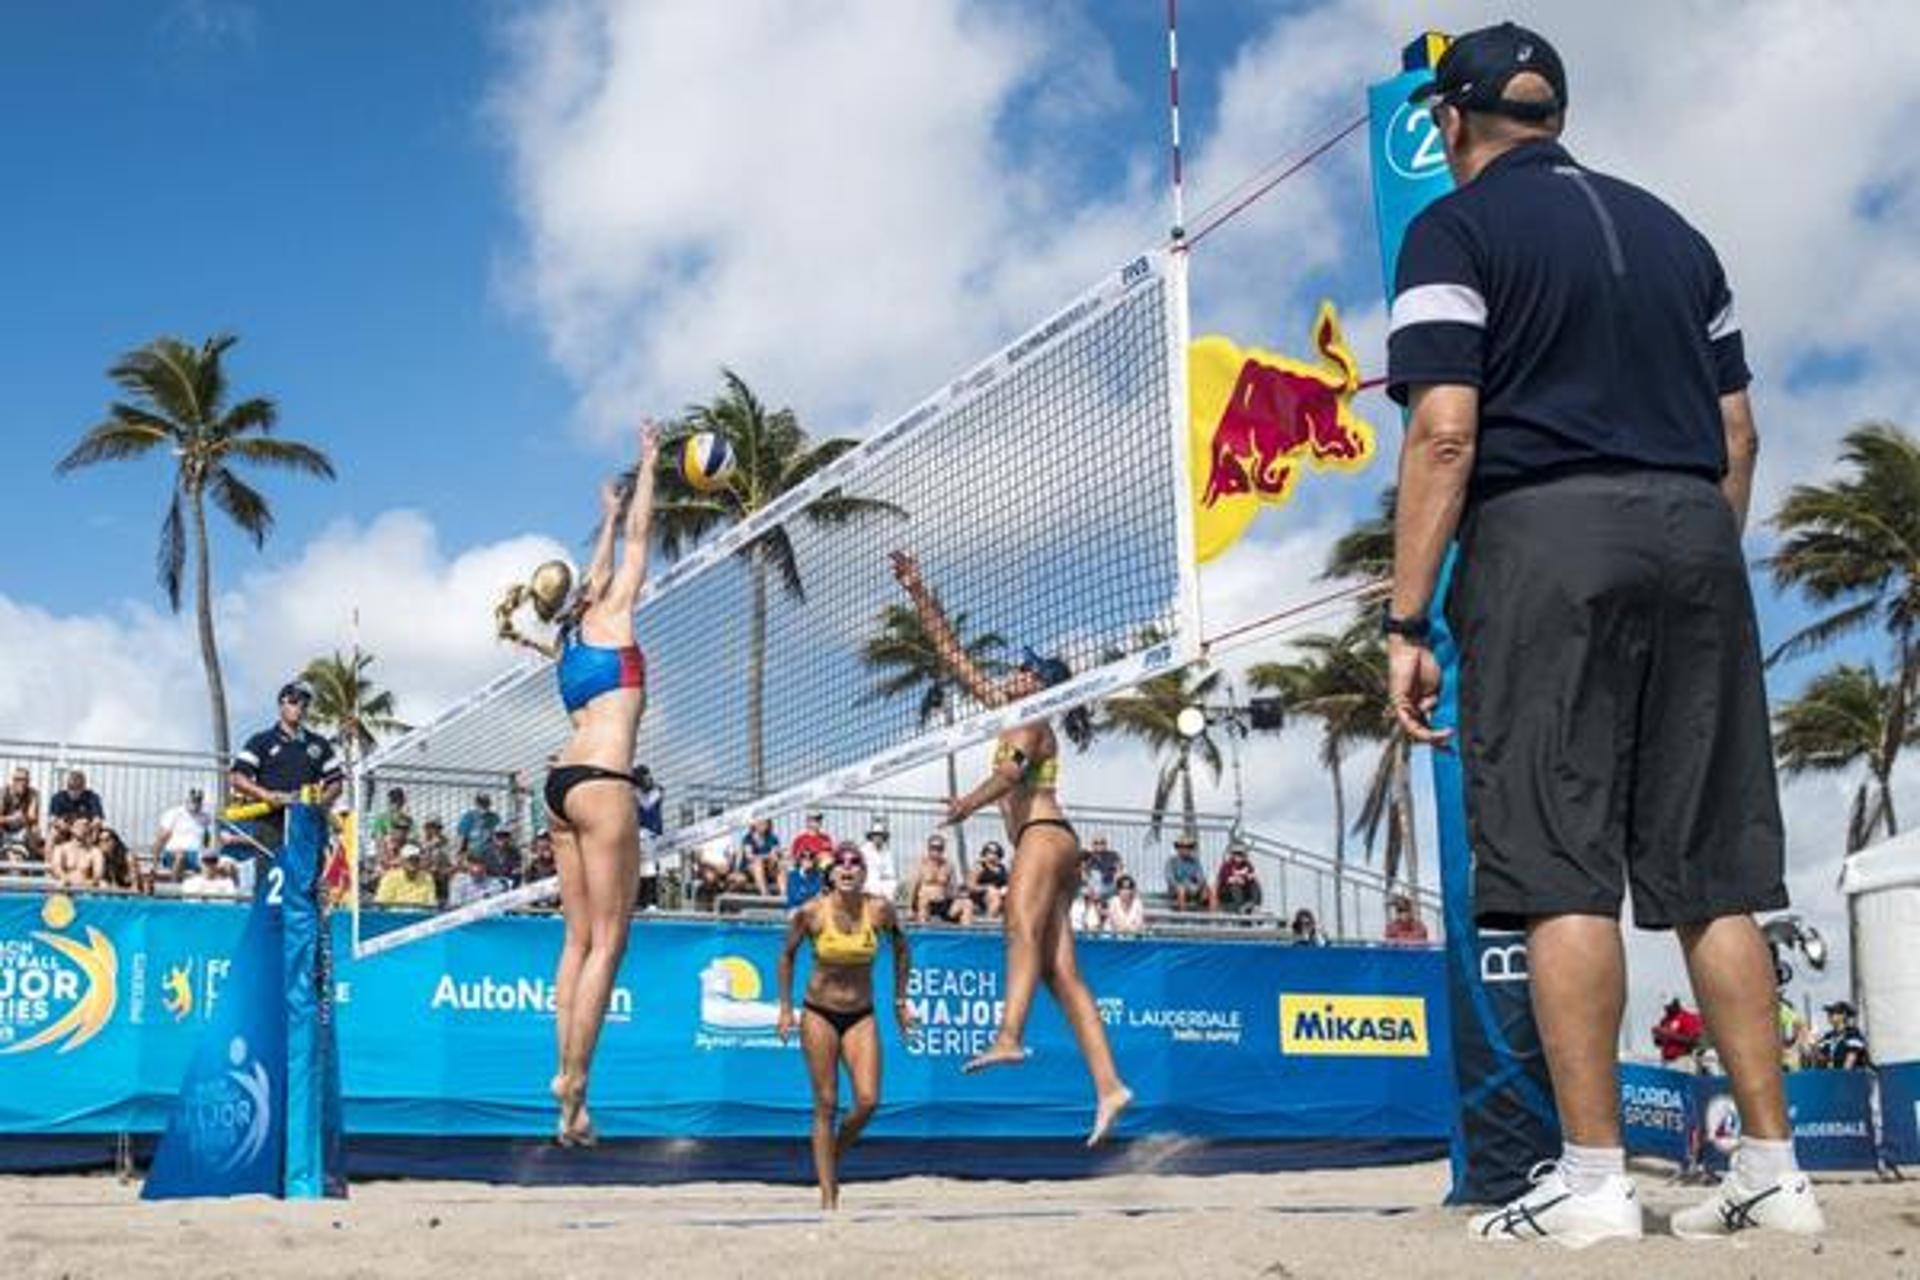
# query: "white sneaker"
{"points": [[1554, 1211], [1787, 1205]]}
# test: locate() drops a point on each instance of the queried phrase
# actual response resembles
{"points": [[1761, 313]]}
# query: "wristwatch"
{"points": [[1417, 629]]}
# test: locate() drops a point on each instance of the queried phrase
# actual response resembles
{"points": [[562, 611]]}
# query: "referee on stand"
{"points": [[1579, 419], [278, 761]]}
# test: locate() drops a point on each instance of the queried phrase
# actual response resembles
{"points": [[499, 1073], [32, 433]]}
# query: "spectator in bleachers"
{"points": [[1126, 910], [477, 825], [386, 857], [185, 832], [761, 849], [469, 883], [1843, 1047], [407, 885], [1104, 862], [1679, 1035], [71, 802], [1403, 925], [1087, 914], [74, 860], [20, 816], [719, 866], [1237, 888], [540, 864], [1187, 887], [116, 864], [883, 871], [503, 857], [394, 820], [987, 886], [813, 842], [809, 862], [935, 887], [1305, 930], [437, 850], [650, 814], [212, 879]]}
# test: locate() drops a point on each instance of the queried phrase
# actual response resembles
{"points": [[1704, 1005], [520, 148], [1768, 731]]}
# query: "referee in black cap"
{"points": [[276, 763], [1568, 348]]}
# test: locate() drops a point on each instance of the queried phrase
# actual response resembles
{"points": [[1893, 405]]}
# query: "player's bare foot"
{"points": [[998, 1055], [1107, 1114]]}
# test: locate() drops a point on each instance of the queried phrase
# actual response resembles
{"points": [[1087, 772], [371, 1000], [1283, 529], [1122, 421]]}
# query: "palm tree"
{"points": [[1366, 550], [177, 399], [1151, 714], [1843, 718], [774, 456], [904, 659], [346, 703]]}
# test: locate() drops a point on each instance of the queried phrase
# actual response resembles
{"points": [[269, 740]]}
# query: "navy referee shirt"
{"points": [[1596, 323], [281, 763]]}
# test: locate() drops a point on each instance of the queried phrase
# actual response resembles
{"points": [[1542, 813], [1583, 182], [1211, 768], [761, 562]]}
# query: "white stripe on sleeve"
{"points": [[1438, 304], [1723, 324]]}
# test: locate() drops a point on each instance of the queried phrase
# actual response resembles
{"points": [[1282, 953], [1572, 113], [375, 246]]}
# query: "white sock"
{"points": [[1587, 1169], [1761, 1162]]}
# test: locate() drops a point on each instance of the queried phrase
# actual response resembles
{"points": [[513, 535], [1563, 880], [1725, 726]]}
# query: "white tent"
{"points": [[1885, 880]]}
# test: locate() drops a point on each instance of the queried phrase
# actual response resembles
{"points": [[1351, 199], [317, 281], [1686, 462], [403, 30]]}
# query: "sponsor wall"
{"points": [[1692, 1120], [102, 1000]]}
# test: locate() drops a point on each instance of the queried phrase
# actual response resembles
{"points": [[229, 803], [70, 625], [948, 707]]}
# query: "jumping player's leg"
{"points": [[1041, 875], [573, 950], [1083, 1015], [860, 1049], [821, 1045], [605, 825]]}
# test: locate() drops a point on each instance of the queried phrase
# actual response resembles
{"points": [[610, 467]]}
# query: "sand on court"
{"points": [[1348, 1223]]}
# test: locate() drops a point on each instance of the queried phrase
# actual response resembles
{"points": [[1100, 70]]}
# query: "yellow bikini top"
{"points": [[834, 945], [1035, 775]]}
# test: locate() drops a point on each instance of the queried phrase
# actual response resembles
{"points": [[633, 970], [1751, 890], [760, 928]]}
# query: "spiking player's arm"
{"points": [[624, 588], [600, 567], [940, 631]]}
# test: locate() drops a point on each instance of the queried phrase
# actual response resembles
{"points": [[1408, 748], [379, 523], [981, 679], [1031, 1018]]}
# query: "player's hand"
{"points": [[906, 570], [957, 811], [610, 497], [649, 442], [784, 1027], [1413, 689]]}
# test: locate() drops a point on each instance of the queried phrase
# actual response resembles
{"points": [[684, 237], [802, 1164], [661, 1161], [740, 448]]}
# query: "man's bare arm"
{"points": [[1743, 450]]}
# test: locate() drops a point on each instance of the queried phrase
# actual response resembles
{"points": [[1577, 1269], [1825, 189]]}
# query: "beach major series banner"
{"points": [[453, 1035]]}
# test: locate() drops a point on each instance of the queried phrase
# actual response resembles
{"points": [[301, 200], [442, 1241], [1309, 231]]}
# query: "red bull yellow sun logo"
{"points": [[1259, 419]]}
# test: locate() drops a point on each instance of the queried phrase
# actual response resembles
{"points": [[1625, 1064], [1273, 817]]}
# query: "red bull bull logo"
{"points": [[1259, 420]]}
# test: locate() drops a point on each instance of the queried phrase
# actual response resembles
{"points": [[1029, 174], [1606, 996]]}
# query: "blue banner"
{"points": [[1506, 1120], [1900, 1112], [1659, 1112], [1831, 1113], [453, 1035]]}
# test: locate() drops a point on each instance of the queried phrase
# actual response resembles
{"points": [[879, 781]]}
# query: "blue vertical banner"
{"points": [[1900, 1112], [1506, 1120], [259, 1111]]}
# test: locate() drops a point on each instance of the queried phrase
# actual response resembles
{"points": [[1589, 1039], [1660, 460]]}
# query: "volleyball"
{"points": [[707, 461]]}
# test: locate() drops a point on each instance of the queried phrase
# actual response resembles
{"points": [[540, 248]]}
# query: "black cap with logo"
{"points": [[1473, 73]]}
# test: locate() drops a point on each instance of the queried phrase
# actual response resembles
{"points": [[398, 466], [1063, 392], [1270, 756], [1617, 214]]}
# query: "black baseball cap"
{"points": [[1473, 73]]}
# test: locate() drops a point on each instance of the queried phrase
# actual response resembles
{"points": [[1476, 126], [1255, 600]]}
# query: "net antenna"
{"points": [[1045, 492], [1175, 178]]}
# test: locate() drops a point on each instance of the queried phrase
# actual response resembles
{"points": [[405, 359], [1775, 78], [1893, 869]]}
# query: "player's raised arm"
{"points": [[934, 618], [624, 588]]}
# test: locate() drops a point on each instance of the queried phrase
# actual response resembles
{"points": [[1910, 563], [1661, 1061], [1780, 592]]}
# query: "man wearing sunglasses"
{"points": [[279, 760], [1567, 347]]}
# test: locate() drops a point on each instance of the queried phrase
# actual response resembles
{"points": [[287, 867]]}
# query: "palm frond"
{"points": [[111, 441], [289, 455], [170, 560], [242, 503]]}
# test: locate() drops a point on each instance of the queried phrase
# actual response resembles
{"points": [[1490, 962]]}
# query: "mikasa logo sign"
{"points": [[1354, 1026]]}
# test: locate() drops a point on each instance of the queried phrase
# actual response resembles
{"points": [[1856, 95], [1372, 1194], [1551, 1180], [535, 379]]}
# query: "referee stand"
{"points": [[259, 1109]]}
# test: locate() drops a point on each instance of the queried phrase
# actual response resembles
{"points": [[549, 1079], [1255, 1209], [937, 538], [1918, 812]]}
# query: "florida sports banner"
{"points": [[1506, 1120]]}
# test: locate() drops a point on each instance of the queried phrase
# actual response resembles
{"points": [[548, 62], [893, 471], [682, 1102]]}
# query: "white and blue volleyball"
{"points": [[707, 461]]}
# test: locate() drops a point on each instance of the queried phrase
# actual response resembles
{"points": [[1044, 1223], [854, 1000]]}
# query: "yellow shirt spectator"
{"points": [[407, 885]]}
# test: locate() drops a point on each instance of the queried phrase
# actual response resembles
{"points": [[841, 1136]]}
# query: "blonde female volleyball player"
{"points": [[838, 1026], [1046, 864], [589, 790]]}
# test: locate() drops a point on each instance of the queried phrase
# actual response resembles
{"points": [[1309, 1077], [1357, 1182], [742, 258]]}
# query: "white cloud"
{"points": [[132, 676]]}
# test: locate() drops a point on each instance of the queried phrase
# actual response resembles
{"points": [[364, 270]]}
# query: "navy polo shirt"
{"points": [[1596, 323], [282, 763]]}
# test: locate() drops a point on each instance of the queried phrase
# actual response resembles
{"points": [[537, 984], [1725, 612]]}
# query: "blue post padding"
{"points": [[1900, 1112], [313, 1161]]}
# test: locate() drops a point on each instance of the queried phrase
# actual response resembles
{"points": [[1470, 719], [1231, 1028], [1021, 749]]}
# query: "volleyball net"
{"points": [[1045, 494]]}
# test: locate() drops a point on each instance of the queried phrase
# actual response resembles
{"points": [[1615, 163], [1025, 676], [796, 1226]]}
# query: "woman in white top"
{"points": [[1127, 912]]}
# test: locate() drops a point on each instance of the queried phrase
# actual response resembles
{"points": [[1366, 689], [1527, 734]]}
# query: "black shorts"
{"points": [[1613, 718]]}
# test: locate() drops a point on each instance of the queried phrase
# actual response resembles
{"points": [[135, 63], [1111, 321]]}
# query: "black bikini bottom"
{"points": [[1061, 823], [841, 1020], [565, 777]]}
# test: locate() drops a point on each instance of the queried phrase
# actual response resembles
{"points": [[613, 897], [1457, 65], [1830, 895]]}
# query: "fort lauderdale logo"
{"points": [[55, 989]]}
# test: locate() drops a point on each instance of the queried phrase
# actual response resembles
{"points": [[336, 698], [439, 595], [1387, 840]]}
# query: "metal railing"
{"points": [[136, 785]]}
